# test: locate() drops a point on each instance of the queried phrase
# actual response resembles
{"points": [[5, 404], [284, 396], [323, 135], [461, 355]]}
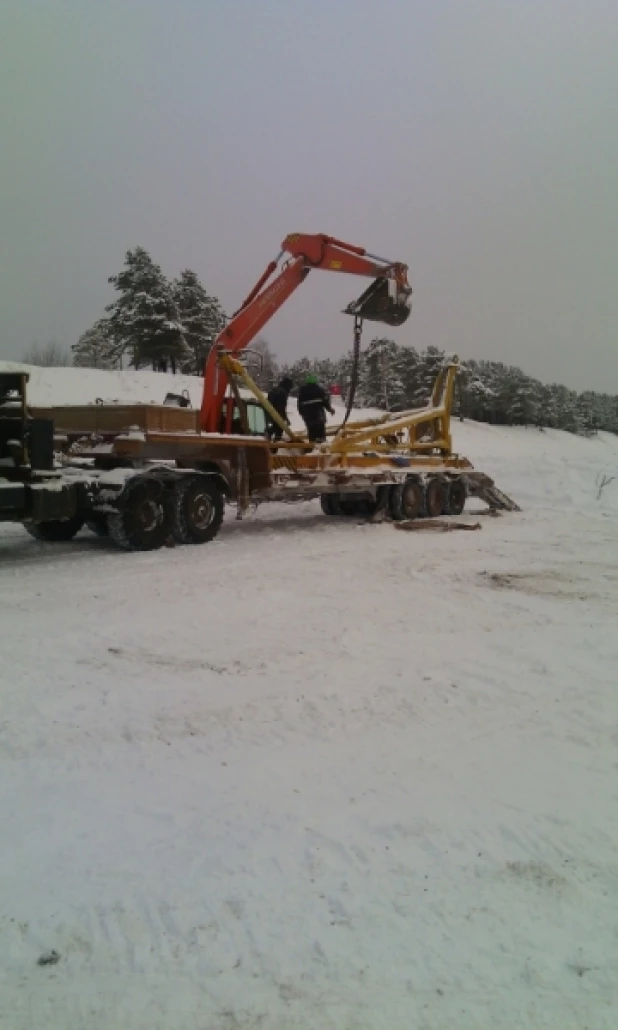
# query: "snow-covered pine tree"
{"points": [[482, 399], [606, 408], [505, 383], [546, 407], [464, 393], [377, 374], [144, 319], [404, 377], [95, 348], [612, 426], [483, 395], [326, 370], [343, 377], [329, 372], [297, 370], [368, 392], [523, 403], [202, 318], [429, 364], [588, 422], [567, 416]]}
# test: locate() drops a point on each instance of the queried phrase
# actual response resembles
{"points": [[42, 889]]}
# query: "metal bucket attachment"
{"points": [[384, 301]]}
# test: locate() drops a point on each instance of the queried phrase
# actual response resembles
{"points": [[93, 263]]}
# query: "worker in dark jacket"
{"points": [[278, 398], [313, 403]]}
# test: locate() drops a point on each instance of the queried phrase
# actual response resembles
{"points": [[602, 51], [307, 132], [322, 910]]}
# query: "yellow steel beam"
{"points": [[370, 433], [235, 368], [438, 413]]}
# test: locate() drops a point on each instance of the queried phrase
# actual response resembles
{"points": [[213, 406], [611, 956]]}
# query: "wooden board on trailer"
{"points": [[110, 419]]}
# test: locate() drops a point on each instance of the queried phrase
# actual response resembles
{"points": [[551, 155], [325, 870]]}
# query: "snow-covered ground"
{"points": [[319, 775]]}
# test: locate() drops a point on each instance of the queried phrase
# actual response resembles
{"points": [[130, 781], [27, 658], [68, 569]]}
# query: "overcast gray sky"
{"points": [[477, 141]]}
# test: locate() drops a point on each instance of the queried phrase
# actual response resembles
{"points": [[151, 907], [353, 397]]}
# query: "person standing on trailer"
{"points": [[313, 403], [278, 399]]}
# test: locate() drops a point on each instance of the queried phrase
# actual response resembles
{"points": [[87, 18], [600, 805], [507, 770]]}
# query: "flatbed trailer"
{"points": [[147, 475]]}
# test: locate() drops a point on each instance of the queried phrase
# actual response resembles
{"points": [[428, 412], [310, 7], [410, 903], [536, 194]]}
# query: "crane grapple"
{"points": [[385, 300]]}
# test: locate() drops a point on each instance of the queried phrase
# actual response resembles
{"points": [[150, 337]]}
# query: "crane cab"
{"points": [[242, 417]]}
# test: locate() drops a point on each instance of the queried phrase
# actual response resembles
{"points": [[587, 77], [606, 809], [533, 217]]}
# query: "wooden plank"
{"points": [[107, 419]]}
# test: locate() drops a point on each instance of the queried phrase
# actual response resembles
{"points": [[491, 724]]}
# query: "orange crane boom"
{"points": [[386, 300]]}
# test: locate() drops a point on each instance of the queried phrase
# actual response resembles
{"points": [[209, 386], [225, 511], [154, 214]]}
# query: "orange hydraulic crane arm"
{"points": [[386, 300]]}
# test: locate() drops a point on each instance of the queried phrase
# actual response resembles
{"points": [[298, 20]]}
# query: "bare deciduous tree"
{"points": [[601, 482], [51, 355]]}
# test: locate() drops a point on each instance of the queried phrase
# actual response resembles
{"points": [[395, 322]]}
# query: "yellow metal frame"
{"points": [[418, 431], [421, 431], [235, 369]]}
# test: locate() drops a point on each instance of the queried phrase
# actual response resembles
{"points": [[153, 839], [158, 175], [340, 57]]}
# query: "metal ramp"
{"points": [[482, 486]]}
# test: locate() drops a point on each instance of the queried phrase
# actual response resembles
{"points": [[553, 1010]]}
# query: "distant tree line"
{"points": [[394, 378], [50, 355], [171, 326]]}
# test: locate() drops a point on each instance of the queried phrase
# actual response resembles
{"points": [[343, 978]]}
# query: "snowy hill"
{"points": [[536, 468], [48, 386], [316, 773]]}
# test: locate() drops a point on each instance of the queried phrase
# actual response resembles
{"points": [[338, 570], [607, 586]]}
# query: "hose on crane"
{"points": [[358, 328]]}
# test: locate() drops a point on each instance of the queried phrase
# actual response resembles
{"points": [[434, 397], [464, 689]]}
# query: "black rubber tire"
{"points": [[338, 506], [393, 502], [350, 507], [98, 526], [199, 506], [407, 500], [436, 494], [55, 532], [456, 496], [366, 507], [335, 506], [146, 518], [326, 503]]}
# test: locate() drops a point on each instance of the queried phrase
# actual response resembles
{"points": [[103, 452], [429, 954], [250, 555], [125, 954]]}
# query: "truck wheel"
{"points": [[435, 497], [198, 510], [407, 500], [332, 506], [341, 507], [349, 507], [145, 520], [456, 497], [56, 531], [98, 526], [326, 503], [365, 507]]}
